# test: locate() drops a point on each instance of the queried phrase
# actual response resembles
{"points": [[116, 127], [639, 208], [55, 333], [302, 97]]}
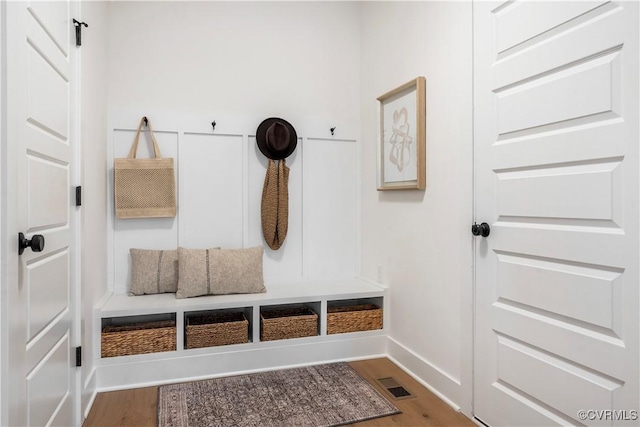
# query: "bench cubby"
{"points": [[218, 327], [354, 315], [132, 335], [279, 322]]}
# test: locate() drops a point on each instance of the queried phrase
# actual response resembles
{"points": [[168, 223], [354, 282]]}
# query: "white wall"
{"points": [[94, 158], [421, 240], [296, 60], [274, 59]]}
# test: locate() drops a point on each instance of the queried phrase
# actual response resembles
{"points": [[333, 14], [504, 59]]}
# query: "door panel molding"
{"points": [[557, 169], [40, 162]]}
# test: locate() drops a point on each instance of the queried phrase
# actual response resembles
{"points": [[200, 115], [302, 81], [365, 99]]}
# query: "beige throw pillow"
{"points": [[153, 271], [219, 271]]}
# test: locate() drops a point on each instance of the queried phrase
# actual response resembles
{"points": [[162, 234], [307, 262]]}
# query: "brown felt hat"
{"points": [[276, 138]]}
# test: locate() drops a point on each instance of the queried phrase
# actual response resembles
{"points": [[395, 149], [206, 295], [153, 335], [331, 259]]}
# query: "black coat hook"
{"points": [[146, 121], [332, 130], [213, 125], [79, 25]]}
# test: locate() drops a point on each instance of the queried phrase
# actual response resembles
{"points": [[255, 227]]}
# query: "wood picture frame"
{"points": [[402, 137]]}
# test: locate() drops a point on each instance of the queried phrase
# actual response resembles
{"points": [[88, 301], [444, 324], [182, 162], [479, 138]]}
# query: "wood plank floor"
{"points": [[137, 407]]}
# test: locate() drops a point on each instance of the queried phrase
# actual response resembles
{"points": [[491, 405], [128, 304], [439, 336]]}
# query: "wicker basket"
{"points": [[138, 338], [353, 318], [285, 323], [212, 329]]}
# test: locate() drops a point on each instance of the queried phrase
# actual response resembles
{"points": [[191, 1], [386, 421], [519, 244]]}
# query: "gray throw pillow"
{"points": [[153, 271], [219, 272]]}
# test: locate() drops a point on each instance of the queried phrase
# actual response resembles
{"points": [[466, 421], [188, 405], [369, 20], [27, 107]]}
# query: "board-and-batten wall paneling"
{"points": [[210, 195], [219, 177], [329, 198]]}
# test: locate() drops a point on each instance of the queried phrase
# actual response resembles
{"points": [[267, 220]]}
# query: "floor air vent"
{"points": [[394, 388]]}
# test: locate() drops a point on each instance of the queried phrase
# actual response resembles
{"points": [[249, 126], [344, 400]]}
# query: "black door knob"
{"points": [[480, 230], [36, 243]]}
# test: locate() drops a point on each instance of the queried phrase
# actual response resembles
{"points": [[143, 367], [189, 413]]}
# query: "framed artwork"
{"points": [[402, 139]]}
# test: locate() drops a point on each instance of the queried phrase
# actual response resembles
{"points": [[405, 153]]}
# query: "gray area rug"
{"points": [[323, 395]]}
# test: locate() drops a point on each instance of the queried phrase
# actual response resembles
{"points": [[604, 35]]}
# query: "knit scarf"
{"points": [[275, 204]]}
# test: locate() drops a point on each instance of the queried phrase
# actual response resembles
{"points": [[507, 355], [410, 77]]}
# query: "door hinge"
{"points": [[78, 356], [78, 26], [79, 195]]}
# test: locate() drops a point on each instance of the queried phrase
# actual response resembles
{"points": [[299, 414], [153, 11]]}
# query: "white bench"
{"points": [[277, 293], [157, 368]]}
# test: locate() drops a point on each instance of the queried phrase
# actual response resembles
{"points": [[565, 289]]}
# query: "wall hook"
{"points": [[146, 121], [333, 129], [79, 25], [213, 125]]}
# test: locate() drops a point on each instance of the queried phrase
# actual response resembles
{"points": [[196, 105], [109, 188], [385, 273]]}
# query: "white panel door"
{"points": [[556, 164], [41, 152]]}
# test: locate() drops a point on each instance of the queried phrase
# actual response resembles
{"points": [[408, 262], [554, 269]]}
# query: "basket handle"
{"points": [[134, 147]]}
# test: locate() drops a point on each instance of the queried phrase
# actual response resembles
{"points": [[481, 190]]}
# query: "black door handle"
{"points": [[480, 230], [36, 243]]}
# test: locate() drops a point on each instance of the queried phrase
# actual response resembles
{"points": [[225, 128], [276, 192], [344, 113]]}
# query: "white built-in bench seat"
{"points": [[183, 364], [277, 293]]}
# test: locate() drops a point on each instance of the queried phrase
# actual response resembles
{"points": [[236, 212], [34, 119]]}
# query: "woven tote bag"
{"points": [[144, 188]]}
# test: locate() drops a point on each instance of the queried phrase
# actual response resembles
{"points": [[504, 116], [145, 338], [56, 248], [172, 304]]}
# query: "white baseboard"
{"points": [[430, 376]]}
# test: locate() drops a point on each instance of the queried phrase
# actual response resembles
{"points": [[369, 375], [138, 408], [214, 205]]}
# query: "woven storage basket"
{"points": [[353, 318], [212, 329], [138, 338], [285, 323]]}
